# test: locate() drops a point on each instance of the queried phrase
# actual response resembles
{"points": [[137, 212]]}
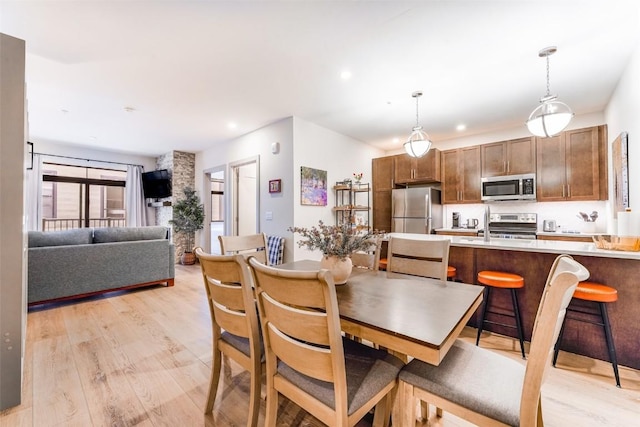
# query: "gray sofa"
{"points": [[81, 262]]}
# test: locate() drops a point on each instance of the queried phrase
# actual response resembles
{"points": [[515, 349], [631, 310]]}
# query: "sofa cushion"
{"points": [[127, 234], [77, 236]]}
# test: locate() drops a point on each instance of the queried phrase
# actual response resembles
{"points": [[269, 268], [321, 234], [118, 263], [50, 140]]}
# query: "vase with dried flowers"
{"points": [[337, 243], [357, 177]]}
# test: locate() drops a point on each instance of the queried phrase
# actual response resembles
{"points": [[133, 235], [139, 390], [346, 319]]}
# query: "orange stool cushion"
{"points": [[451, 271], [382, 264], [597, 292], [500, 279]]}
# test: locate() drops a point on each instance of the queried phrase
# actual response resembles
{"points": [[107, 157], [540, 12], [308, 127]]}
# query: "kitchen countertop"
{"points": [[544, 246], [457, 230]]}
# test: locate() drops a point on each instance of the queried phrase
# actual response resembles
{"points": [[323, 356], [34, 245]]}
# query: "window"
{"points": [[217, 200], [78, 197]]}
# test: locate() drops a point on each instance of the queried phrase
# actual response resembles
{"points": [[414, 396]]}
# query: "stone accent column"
{"points": [[181, 166]]}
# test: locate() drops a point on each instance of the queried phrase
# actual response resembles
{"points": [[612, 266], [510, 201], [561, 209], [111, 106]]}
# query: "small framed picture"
{"points": [[275, 186]]}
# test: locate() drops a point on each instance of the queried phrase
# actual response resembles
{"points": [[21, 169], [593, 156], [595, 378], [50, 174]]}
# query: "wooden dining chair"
{"points": [[487, 388], [426, 258], [336, 380], [369, 259], [250, 245], [234, 322]]}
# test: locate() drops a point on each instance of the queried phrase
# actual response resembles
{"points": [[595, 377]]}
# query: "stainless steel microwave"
{"points": [[509, 187]]}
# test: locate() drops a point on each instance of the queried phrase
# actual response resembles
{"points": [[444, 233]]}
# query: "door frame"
{"points": [[206, 195], [231, 185]]}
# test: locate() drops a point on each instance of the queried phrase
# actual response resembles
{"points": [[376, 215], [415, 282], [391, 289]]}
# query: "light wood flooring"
{"points": [[142, 358]]}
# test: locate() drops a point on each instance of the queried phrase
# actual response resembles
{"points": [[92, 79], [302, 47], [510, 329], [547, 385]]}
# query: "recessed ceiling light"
{"points": [[232, 125], [396, 140], [345, 75], [64, 110], [129, 109], [461, 127]]}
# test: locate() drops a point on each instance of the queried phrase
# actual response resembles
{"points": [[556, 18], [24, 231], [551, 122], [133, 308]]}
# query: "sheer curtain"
{"points": [[34, 195], [134, 198]]}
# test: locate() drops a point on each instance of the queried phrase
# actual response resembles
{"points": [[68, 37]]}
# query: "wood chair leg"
{"points": [[254, 399], [213, 381], [271, 414]]}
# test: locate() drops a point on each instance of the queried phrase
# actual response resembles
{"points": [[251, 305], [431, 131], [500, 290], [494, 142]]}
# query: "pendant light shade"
{"points": [[552, 116], [419, 142]]}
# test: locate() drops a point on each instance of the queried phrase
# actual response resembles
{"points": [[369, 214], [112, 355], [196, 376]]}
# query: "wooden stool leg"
{"points": [[516, 309], [609, 338], [485, 304]]}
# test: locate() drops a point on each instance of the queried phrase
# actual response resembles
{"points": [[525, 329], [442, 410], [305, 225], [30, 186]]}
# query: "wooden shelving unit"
{"points": [[353, 204]]}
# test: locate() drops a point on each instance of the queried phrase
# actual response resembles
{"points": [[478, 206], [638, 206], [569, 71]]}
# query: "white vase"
{"points": [[339, 268]]}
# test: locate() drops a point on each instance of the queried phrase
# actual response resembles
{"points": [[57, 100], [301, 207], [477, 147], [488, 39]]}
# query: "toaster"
{"points": [[549, 225]]}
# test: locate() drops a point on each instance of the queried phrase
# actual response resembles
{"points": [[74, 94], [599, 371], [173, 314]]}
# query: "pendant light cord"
{"points": [[548, 84]]}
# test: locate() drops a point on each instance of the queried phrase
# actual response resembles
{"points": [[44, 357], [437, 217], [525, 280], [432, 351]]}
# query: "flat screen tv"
{"points": [[156, 184]]}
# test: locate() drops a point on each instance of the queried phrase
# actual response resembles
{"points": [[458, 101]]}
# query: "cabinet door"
{"points": [[470, 171], [427, 168], [382, 210], [551, 173], [521, 156], [450, 174], [582, 164], [403, 166], [382, 170], [494, 159]]}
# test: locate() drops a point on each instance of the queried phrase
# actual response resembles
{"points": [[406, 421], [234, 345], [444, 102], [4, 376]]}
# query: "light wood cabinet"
{"points": [[461, 175], [572, 165], [423, 170], [512, 157]]}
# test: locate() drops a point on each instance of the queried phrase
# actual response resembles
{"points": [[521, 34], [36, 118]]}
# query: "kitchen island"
{"points": [[532, 259]]}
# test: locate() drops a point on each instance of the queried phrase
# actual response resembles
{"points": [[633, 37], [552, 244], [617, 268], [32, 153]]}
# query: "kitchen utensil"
{"points": [[584, 216], [472, 222], [594, 216], [455, 220], [549, 225]]}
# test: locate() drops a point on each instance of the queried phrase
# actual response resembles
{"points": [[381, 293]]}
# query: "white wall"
{"points": [[341, 156], [272, 166], [623, 115]]}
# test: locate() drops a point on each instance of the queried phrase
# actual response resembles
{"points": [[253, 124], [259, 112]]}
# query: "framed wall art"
{"points": [[275, 186], [620, 173], [313, 187]]}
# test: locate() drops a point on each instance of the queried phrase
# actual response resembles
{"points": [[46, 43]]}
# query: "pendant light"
{"points": [[419, 142], [551, 116]]}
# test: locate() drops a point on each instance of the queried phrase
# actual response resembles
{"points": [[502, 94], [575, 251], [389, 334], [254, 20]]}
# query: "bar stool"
{"points": [[601, 295], [382, 264], [501, 280], [451, 272]]}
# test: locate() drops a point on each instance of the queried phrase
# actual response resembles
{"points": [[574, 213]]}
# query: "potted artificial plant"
{"points": [[188, 217]]}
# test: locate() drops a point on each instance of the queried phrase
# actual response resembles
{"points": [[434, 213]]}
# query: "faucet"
{"points": [[487, 215]]}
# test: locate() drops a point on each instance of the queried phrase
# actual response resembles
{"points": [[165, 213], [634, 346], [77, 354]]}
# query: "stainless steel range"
{"points": [[512, 226]]}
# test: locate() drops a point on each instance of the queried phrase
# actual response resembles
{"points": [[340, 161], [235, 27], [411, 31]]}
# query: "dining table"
{"points": [[408, 315]]}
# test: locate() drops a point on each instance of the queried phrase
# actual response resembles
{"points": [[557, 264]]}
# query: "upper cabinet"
{"points": [[513, 157], [461, 175], [382, 171], [423, 170], [573, 165]]}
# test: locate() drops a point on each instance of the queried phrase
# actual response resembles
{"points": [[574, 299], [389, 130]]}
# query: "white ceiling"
{"points": [[188, 68]]}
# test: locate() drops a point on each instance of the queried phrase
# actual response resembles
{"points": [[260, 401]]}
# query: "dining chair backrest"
{"points": [[250, 245], [564, 275], [426, 258], [234, 321], [369, 259], [304, 348]]}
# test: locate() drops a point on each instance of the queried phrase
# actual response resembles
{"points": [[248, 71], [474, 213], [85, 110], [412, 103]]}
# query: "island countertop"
{"points": [[543, 246]]}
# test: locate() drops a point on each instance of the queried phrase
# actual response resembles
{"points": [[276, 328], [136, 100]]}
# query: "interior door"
{"points": [[245, 197]]}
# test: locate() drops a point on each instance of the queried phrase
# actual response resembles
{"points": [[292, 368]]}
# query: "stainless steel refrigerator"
{"points": [[416, 210]]}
